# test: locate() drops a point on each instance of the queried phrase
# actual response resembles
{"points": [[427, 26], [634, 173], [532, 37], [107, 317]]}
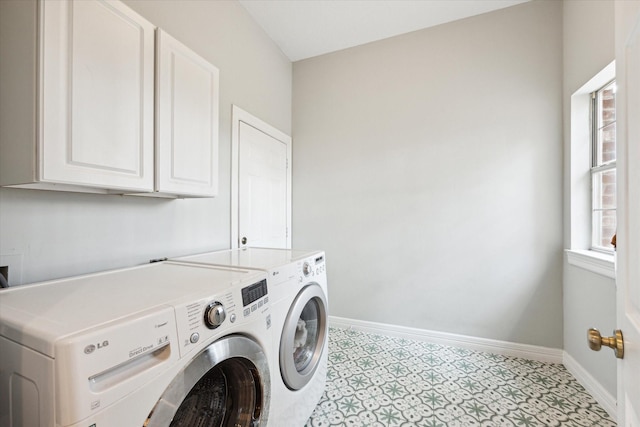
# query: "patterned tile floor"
{"points": [[376, 380]]}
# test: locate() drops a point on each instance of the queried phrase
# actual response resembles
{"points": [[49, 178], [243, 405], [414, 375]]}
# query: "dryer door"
{"points": [[227, 384], [303, 337]]}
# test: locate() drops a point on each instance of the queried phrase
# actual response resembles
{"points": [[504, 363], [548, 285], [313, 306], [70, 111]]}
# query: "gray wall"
{"points": [[59, 234], [589, 299], [429, 167]]}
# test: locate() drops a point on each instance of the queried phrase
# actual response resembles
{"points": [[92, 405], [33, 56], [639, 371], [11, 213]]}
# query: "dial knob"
{"points": [[214, 315], [306, 268]]}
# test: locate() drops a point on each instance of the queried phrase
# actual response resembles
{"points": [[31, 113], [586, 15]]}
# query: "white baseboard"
{"points": [[532, 352], [602, 396], [542, 354]]}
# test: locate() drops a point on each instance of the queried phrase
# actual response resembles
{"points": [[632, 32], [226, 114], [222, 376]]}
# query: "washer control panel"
{"points": [[254, 297], [209, 317], [200, 320], [311, 267]]}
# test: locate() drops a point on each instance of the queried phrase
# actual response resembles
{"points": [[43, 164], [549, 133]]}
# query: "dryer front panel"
{"points": [[303, 337]]}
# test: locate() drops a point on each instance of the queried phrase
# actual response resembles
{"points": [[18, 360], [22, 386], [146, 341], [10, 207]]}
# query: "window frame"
{"points": [[598, 168], [578, 180]]}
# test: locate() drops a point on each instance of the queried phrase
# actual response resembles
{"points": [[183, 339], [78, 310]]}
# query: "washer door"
{"points": [[227, 384], [303, 337]]}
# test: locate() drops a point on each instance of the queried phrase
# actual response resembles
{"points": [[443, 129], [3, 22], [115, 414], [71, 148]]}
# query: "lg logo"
{"points": [[93, 347]]}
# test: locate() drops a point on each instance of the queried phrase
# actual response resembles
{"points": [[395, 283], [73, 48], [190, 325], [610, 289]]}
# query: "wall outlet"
{"points": [[4, 272], [13, 264]]}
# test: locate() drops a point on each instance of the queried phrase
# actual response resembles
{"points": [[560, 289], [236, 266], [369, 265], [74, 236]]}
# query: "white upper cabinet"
{"points": [[78, 113], [82, 84], [186, 120]]}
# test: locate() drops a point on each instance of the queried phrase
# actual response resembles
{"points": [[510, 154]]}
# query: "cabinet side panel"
{"points": [[18, 89]]}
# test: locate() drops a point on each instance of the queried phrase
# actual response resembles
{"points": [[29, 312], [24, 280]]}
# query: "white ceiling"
{"points": [[307, 28]]}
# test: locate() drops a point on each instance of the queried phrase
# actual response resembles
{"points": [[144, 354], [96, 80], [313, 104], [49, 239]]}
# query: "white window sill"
{"points": [[596, 262]]}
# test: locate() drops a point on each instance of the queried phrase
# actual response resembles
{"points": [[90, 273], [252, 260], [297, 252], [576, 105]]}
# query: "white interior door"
{"points": [[627, 23], [261, 205]]}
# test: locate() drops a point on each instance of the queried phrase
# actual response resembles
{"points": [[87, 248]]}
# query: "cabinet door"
{"points": [[186, 122], [97, 89]]}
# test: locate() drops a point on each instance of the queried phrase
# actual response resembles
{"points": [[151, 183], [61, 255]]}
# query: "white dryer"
{"points": [[298, 292], [159, 345]]}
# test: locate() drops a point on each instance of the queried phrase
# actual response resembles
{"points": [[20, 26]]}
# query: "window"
{"points": [[603, 167], [592, 174]]}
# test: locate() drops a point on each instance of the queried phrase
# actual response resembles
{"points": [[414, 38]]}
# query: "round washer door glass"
{"points": [[227, 384], [303, 337], [226, 395]]}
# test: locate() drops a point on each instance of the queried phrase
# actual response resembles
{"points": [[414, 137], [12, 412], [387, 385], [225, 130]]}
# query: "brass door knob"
{"points": [[616, 342]]}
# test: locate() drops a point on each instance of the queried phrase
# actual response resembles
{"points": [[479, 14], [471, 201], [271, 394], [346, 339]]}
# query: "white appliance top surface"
{"points": [[260, 258], [42, 313]]}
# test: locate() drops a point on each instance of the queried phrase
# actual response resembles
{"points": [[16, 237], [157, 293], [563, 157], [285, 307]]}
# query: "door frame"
{"points": [[238, 116]]}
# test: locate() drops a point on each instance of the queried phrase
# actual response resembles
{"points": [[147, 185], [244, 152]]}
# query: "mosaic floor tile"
{"points": [[377, 380]]}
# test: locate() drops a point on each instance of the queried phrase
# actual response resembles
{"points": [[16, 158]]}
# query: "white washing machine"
{"points": [[159, 345], [297, 285]]}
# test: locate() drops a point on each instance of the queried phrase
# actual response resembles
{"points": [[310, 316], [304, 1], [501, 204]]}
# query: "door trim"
{"points": [[238, 115]]}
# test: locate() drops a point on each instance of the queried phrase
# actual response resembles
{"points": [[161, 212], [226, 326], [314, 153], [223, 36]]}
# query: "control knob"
{"points": [[306, 269], [214, 315]]}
